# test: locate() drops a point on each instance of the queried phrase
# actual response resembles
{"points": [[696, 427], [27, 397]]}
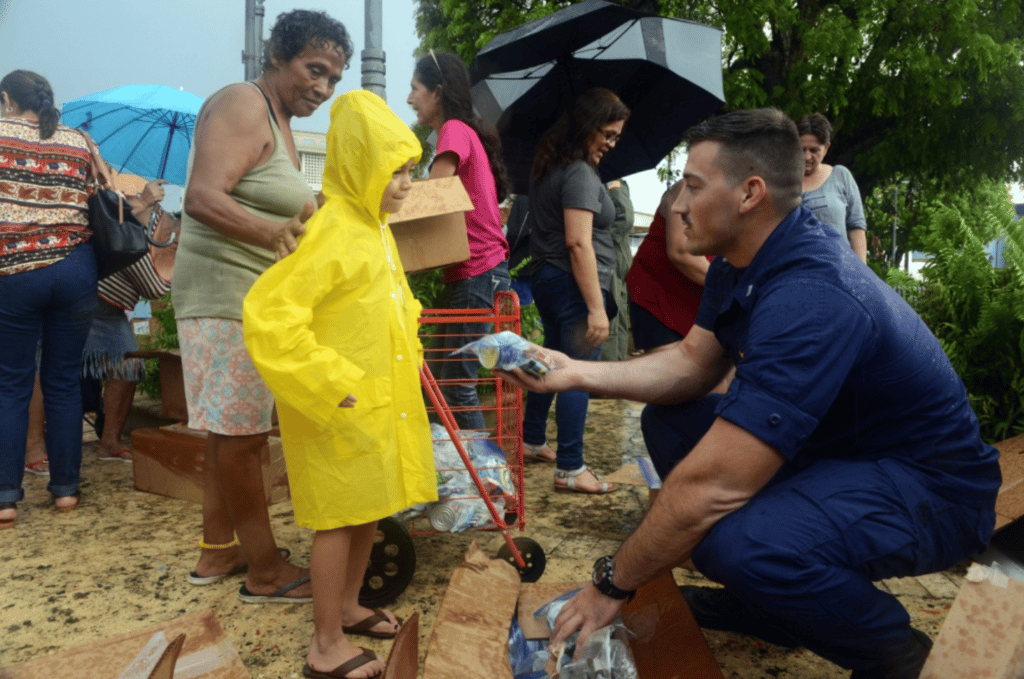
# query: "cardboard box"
{"points": [[983, 634], [169, 461], [1010, 502], [202, 651], [172, 379], [470, 635], [430, 229]]}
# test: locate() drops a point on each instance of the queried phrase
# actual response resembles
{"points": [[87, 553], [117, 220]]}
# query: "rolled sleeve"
{"points": [[774, 420]]}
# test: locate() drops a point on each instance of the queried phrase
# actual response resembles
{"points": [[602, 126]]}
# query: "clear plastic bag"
{"points": [[461, 507], [605, 655], [504, 351], [527, 657]]}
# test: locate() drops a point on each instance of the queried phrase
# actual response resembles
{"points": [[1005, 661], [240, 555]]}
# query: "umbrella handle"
{"points": [[158, 244]]}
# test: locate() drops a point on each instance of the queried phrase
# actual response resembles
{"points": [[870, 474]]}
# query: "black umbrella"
{"points": [[548, 38], [667, 71]]}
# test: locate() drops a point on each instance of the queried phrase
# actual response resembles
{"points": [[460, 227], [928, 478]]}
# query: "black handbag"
{"points": [[119, 238]]}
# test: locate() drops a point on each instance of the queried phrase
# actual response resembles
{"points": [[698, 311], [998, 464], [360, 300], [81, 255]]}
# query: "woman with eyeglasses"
{"points": [[469, 147], [573, 259]]}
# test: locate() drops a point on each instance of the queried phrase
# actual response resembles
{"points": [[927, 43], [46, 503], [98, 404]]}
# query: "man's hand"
{"points": [[557, 379], [285, 239], [587, 612]]}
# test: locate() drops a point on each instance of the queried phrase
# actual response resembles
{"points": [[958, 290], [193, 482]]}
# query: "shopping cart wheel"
{"points": [[392, 564], [533, 556]]}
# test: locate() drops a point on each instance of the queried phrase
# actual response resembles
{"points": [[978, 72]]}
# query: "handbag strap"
{"points": [[98, 171]]}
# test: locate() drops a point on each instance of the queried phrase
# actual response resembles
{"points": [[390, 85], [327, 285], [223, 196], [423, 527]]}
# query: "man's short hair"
{"points": [[762, 142]]}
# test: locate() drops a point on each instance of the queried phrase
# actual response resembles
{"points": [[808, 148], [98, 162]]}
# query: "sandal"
{"points": [[195, 579], [277, 597], [570, 483], [68, 508], [365, 626], [8, 523], [39, 467], [122, 454], [342, 670], [532, 453]]}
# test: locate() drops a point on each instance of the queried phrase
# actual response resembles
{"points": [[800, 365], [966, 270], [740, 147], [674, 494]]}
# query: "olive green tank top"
{"points": [[212, 273]]}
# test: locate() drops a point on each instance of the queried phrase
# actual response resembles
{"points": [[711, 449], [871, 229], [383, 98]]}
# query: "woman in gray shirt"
{"points": [[573, 260], [831, 192]]}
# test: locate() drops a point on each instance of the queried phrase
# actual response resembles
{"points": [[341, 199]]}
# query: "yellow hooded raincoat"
{"points": [[337, 317]]}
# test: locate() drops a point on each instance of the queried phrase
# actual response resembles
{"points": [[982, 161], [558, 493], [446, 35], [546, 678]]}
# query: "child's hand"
{"points": [[349, 402]]}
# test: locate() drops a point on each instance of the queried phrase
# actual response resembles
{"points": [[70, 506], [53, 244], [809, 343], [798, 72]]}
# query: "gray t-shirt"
{"points": [[573, 186], [837, 202]]}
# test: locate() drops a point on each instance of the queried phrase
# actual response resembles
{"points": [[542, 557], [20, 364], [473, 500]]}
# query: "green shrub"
{"points": [[166, 337], [976, 311]]}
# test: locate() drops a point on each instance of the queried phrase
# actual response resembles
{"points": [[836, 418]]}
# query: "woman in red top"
{"points": [[665, 281], [470, 147]]}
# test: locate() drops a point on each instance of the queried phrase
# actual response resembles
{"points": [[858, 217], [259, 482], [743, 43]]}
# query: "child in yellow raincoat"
{"points": [[332, 330]]}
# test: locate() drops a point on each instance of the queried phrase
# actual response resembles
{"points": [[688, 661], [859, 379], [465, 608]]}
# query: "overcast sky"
{"points": [[87, 46]]}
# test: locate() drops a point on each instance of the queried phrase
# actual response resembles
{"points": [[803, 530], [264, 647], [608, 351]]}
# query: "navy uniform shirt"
{"points": [[832, 363]]}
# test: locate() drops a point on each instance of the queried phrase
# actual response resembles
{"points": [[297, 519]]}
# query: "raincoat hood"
{"points": [[366, 143]]}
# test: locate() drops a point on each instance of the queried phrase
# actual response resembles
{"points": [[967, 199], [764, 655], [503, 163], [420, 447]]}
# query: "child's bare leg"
{"points": [[359, 559], [329, 570]]}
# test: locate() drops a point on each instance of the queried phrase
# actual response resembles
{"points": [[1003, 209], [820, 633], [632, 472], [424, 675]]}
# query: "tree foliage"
{"points": [[976, 311], [923, 91], [905, 212]]}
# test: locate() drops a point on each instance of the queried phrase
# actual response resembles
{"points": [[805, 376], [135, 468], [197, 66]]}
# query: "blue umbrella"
{"points": [[142, 129]]}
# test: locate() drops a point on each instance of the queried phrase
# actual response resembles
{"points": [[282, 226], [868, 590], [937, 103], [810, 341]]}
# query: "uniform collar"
{"points": [[775, 253]]}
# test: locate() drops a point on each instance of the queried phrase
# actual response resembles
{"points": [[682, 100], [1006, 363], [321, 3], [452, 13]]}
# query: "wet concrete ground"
{"points": [[119, 563]]}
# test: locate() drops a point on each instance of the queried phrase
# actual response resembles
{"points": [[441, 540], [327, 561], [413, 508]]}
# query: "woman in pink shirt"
{"points": [[470, 147]]}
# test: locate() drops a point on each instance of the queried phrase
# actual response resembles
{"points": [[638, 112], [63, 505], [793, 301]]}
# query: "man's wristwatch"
{"points": [[604, 571]]}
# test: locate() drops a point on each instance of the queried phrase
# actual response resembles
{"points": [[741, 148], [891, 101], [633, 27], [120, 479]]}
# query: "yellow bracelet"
{"points": [[233, 543]]}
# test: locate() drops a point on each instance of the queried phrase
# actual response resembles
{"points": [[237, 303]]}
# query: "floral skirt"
{"points": [[224, 392]]}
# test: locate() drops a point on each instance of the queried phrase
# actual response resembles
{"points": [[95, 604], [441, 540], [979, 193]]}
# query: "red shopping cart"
{"points": [[392, 561]]}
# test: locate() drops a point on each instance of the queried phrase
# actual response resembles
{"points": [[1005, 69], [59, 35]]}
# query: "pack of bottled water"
{"points": [[504, 351]]}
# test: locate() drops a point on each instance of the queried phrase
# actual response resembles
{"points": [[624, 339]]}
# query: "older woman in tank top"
{"points": [[245, 204]]}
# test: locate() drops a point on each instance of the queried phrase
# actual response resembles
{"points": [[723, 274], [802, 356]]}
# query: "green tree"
{"points": [[919, 91], [905, 212]]}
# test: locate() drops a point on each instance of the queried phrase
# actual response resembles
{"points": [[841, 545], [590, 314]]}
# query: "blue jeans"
{"points": [[56, 302], [563, 314], [806, 549], [459, 385]]}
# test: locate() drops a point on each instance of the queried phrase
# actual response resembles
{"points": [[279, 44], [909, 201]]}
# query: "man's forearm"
{"points": [[663, 376], [667, 537]]}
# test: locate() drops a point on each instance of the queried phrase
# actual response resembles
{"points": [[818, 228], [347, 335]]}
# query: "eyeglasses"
{"points": [[611, 136]]}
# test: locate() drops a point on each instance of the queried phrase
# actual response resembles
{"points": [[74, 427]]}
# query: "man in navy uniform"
{"points": [[844, 451]]}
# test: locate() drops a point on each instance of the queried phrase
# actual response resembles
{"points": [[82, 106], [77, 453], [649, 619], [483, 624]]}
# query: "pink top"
{"points": [[487, 244]]}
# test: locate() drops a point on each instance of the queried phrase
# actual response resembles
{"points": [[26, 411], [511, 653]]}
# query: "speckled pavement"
{"points": [[119, 563]]}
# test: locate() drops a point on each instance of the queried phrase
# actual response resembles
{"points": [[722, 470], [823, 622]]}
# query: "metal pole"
{"points": [[895, 219], [252, 55], [373, 55]]}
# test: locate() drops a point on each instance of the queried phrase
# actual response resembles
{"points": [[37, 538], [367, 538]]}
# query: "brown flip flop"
{"points": [[365, 626], [342, 670]]}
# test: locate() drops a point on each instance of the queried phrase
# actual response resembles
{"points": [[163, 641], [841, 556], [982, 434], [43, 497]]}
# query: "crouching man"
{"points": [[844, 452]]}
